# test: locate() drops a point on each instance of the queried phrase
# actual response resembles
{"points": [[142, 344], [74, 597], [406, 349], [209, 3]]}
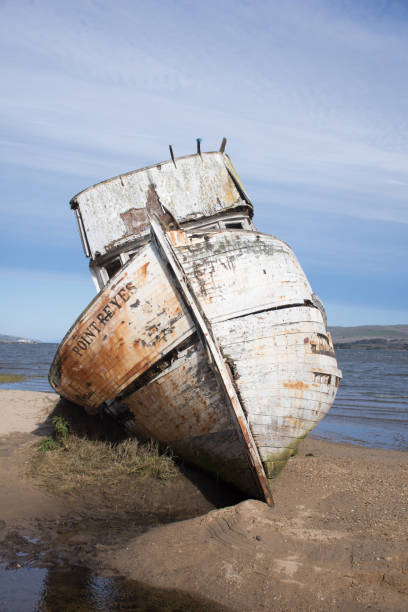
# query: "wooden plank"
{"points": [[281, 357], [220, 367], [262, 273], [182, 401], [184, 407], [277, 375]]}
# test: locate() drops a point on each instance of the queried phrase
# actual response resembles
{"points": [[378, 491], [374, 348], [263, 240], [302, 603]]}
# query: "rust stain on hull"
{"points": [[120, 335], [295, 385]]}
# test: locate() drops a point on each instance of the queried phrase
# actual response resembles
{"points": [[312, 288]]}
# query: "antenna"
{"points": [[222, 147], [172, 155], [199, 146]]}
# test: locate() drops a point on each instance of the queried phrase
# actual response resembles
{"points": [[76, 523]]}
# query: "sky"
{"points": [[311, 94]]}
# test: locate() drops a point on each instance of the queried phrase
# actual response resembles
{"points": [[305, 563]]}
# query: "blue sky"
{"points": [[313, 98]]}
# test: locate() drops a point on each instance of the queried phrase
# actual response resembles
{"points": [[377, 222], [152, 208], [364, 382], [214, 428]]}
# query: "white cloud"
{"points": [[95, 91], [395, 182]]}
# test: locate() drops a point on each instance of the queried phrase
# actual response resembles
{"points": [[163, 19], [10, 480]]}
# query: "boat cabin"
{"points": [[199, 192]]}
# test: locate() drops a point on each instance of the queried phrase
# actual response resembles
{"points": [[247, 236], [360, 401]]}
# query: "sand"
{"points": [[24, 411], [23, 416], [337, 538]]}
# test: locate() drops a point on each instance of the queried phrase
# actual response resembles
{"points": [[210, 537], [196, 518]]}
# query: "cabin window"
{"points": [[112, 267], [234, 225], [322, 378]]}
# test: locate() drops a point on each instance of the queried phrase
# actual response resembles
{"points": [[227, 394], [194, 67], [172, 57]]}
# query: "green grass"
{"points": [[60, 437], [61, 428], [11, 378], [48, 444]]}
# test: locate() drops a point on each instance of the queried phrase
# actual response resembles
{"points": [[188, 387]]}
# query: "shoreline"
{"points": [[314, 436], [337, 537]]}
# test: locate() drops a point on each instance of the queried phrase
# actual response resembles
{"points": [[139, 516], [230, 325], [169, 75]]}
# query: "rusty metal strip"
{"points": [[225, 378]]}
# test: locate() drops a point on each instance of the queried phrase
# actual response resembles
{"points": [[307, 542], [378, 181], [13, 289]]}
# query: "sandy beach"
{"points": [[337, 538]]}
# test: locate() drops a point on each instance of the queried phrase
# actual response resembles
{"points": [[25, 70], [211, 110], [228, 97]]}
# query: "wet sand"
{"points": [[337, 538]]}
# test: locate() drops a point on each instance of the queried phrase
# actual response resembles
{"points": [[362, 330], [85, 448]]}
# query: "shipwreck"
{"points": [[205, 333]]}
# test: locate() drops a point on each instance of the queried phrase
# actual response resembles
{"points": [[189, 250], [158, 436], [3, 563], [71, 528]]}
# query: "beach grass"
{"points": [[66, 462]]}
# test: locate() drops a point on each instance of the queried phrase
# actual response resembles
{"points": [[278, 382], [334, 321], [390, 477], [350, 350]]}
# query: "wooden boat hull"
{"points": [[145, 362]]}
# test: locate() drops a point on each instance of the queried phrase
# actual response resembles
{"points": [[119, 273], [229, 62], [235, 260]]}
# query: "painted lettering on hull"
{"points": [[102, 317]]}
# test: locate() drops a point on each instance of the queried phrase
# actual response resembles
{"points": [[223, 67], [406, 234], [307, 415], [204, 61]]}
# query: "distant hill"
{"points": [[5, 338], [371, 336]]}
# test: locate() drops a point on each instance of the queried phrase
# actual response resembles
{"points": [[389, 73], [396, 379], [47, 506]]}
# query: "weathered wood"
{"points": [[184, 408], [114, 211], [136, 320], [262, 272], [285, 384], [205, 333]]}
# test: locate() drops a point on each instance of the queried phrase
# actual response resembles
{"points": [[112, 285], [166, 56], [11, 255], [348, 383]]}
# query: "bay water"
{"points": [[371, 406]]}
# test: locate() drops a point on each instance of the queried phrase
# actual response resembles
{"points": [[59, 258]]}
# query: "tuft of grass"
{"points": [[78, 462], [47, 444], [60, 436], [11, 378], [61, 428]]}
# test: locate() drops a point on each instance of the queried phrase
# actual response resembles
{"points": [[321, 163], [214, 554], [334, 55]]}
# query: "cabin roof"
{"points": [[192, 187]]}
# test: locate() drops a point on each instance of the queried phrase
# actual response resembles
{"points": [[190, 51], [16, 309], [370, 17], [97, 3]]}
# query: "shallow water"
{"points": [[371, 406], [79, 589], [21, 588], [30, 360], [57, 564]]}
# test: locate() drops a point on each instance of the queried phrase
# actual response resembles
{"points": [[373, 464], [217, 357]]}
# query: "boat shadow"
{"points": [[104, 427]]}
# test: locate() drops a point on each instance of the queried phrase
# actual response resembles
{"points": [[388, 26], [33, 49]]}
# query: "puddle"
{"points": [[21, 589], [56, 567], [79, 589], [59, 571]]}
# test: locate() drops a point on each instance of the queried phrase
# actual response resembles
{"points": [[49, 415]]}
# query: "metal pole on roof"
{"points": [[172, 155]]}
